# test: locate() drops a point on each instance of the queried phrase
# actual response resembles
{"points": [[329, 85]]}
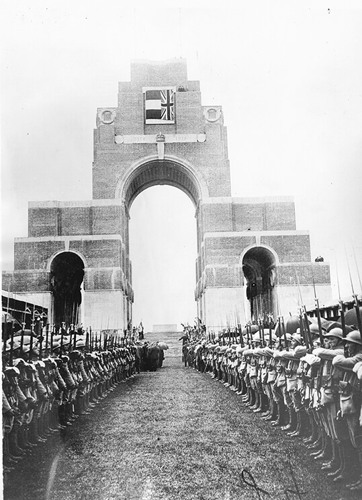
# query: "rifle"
{"points": [[70, 331], [61, 338], [23, 324], [22, 341], [356, 305], [75, 337], [303, 332], [318, 315], [270, 331], [305, 315], [47, 337], [341, 307], [32, 332], [11, 344], [284, 334], [41, 340]]}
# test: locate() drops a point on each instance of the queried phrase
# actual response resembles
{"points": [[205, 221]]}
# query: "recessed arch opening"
{"points": [[259, 269], [66, 279], [161, 172]]}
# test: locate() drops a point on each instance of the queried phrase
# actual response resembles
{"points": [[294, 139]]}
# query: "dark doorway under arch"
{"points": [[259, 270], [66, 277]]}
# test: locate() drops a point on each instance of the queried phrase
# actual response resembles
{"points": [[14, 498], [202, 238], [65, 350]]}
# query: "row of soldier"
{"points": [[304, 376], [45, 388]]}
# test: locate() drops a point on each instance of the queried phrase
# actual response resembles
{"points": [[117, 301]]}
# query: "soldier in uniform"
{"points": [[350, 406]]}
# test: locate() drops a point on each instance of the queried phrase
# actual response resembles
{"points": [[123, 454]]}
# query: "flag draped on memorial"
{"points": [[159, 105]]}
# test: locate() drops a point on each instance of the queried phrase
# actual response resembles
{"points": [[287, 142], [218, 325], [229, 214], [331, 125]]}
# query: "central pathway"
{"points": [[173, 434]]}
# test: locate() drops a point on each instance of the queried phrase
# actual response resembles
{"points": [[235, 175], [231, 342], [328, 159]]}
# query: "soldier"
{"points": [[350, 407], [333, 346]]}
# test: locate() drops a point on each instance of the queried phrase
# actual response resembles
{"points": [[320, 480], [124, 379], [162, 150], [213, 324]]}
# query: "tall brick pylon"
{"points": [[249, 252]]}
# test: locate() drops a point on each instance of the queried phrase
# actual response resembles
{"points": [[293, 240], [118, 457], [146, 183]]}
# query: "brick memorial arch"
{"points": [[248, 249]]}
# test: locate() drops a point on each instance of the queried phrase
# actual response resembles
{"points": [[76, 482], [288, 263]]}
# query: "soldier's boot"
{"points": [[340, 449], [34, 432], [261, 405], [313, 429], [274, 415], [256, 401], [23, 439], [41, 427], [251, 399], [304, 424], [291, 420], [246, 395], [78, 406], [26, 438], [298, 424], [270, 414], [8, 459], [14, 447], [349, 471], [317, 440], [357, 485], [327, 449], [266, 407], [46, 424], [68, 414], [317, 450], [334, 463], [280, 420]]}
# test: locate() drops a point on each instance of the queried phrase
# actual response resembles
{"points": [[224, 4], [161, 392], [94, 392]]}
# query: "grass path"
{"points": [[170, 435]]}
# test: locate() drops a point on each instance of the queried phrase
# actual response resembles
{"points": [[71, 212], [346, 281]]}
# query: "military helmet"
{"points": [[12, 371], [297, 337], [334, 332], [354, 337]]}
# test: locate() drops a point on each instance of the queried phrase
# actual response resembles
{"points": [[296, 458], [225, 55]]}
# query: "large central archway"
{"points": [[152, 171], [163, 250]]}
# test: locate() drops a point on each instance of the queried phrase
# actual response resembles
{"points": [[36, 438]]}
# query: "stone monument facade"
{"points": [[249, 253]]}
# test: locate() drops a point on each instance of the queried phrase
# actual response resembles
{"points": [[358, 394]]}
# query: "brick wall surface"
{"points": [[99, 253], [290, 248], [280, 216], [107, 220], [223, 276], [306, 273], [75, 220], [263, 216], [226, 250], [216, 217], [42, 222], [26, 281], [102, 279], [35, 254]]}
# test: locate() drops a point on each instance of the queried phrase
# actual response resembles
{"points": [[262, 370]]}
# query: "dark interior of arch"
{"points": [[160, 172], [258, 268], [66, 277]]}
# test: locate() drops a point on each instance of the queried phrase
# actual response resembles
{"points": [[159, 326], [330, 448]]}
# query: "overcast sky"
{"points": [[288, 75]]}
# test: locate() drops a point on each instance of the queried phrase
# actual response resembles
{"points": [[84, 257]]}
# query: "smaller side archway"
{"points": [[66, 279], [259, 269]]}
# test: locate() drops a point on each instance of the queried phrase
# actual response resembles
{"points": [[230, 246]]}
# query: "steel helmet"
{"points": [[354, 337], [334, 332]]}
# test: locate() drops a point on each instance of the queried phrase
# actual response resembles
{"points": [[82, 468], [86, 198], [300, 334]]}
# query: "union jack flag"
{"points": [[159, 105]]}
